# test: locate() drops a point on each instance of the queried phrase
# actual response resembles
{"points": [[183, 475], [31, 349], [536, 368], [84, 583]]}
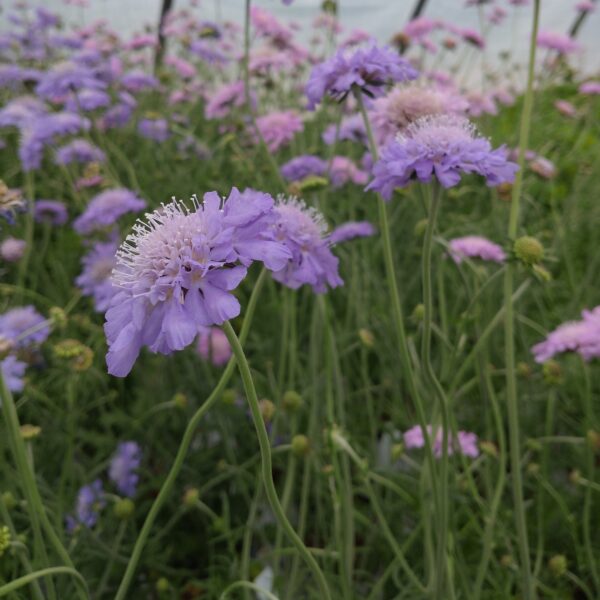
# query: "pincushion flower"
{"points": [[303, 166], [12, 249], [137, 81], [350, 231], [351, 128], [24, 326], [123, 468], [590, 87], [440, 147], [581, 336], [403, 105], [87, 100], [225, 99], [176, 271], [154, 129], [304, 232], [279, 128], [343, 171], [561, 43], [50, 211], [19, 111], [369, 68], [106, 208], [465, 442], [13, 371], [475, 246], [80, 151], [95, 279], [214, 346], [65, 77], [90, 501]]}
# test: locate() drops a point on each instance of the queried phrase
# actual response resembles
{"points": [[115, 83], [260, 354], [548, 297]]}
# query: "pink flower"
{"points": [[473, 246], [565, 108], [551, 40], [279, 128], [214, 346], [465, 442], [590, 87], [12, 249]]}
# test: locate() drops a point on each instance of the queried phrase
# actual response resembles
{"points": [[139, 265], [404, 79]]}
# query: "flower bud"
{"points": [[267, 410], [327, 470], [552, 372], [575, 476], [506, 560], [505, 191], [180, 400], [418, 313], [420, 227], [124, 508], [162, 585], [300, 445], [593, 438], [8, 500], [366, 337], [528, 250], [488, 448], [228, 396], [28, 432], [397, 450], [292, 401], [58, 317], [191, 497], [558, 565], [77, 356], [312, 183], [523, 370], [533, 468]]}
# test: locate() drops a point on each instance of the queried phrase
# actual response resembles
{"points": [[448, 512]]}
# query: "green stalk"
{"points": [[528, 586], [265, 450], [27, 579], [186, 440]]}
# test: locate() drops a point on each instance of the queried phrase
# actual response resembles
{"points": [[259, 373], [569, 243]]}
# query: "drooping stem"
{"points": [[266, 462], [186, 440], [528, 586]]}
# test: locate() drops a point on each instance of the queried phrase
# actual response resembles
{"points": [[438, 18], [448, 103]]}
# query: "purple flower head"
{"points": [[154, 129], [442, 146], [66, 77], [465, 442], [19, 111], [418, 29], [12, 249], [87, 100], [90, 501], [123, 468], [351, 230], [213, 345], [208, 52], [303, 166], [574, 336], [279, 128], [13, 371], [175, 273], [116, 116], [586, 6], [304, 232], [561, 43], [564, 107], [351, 128], [590, 87], [79, 151], [43, 130], [50, 211], [95, 280], [224, 99], [474, 246], [344, 171], [106, 208], [481, 104], [369, 68], [136, 81], [24, 326], [543, 167], [185, 69], [13, 76], [404, 105], [267, 25]]}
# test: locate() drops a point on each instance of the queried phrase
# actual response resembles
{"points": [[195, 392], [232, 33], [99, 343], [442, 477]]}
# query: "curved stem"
{"points": [[27, 579], [528, 586], [265, 450], [186, 440], [248, 586]]}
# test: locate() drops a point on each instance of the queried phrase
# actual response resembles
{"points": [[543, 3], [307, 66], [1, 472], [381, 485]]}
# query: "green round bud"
{"points": [[397, 451], [292, 400], [366, 337], [219, 525], [124, 508], [528, 250], [191, 497], [8, 500], [180, 400], [558, 565], [162, 585], [489, 448], [552, 372], [418, 313], [300, 445], [523, 370], [228, 396], [312, 183], [267, 410], [420, 227], [58, 317]]}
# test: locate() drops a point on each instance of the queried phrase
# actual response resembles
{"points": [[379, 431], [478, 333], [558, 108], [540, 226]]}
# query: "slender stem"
{"points": [[27, 579], [265, 450], [247, 57], [528, 585], [186, 440]]}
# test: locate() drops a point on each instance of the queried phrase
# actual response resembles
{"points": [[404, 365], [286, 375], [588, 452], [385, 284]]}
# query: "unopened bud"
{"points": [[558, 565], [418, 313], [528, 250], [8, 500], [58, 317], [593, 438], [228, 396], [366, 337], [300, 445], [191, 497], [523, 370], [267, 410], [312, 183], [180, 400], [28, 432], [488, 448], [124, 508], [397, 450], [420, 227], [4, 539], [162, 585], [292, 401], [552, 372]]}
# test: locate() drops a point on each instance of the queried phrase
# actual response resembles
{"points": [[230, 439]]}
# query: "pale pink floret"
{"points": [[590, 87], [474, 246], [465, 442], [565, 108]]}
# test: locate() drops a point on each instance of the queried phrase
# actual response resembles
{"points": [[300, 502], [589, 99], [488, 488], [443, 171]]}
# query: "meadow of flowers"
{"points": [[287, 319]]}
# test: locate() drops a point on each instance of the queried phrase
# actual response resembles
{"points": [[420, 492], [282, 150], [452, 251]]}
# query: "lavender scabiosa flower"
{"points": [[95, 280], [551, 40], [304, 232], [65, 77], [369, 68], [14, 76], [404, 105], [351, 128], [343, 171], [574, 336], [465, 442], [79, 151], [225, 99], [154, 129], [87, 100], [137, 81], [350, 231], [442, 146], [213, 346], [475, 246], [24, 326], [123, 468], [90, 501], [13, 371], [176, 272], [12, 249], [303, 166], [106, 208], [279, 128], [590, 88], [50, 211], [19, 111]]}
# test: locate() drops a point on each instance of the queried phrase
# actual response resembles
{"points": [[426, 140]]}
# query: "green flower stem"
{"points": [[111, 560], [398, 317], [246, 65], [246, 585], [37, 513], [528, 585], [443, 499], [186, 440], [265, 449], [31, 577]]}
